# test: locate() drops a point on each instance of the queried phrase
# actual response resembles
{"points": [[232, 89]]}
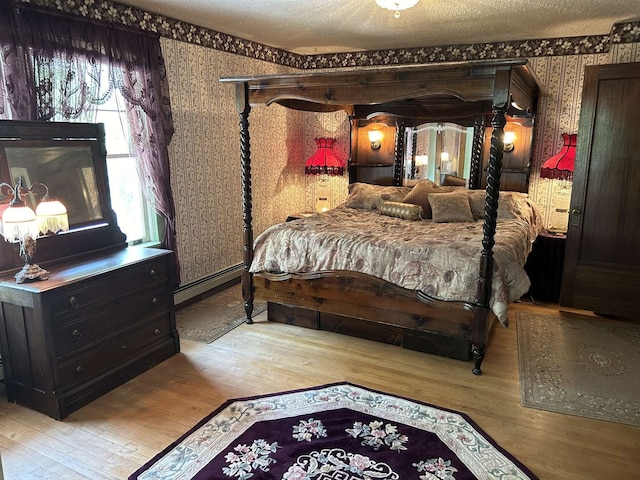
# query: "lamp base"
{"points": [[31, 272]]}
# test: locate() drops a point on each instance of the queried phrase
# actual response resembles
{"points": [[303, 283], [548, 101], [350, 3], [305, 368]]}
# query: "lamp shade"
{"points": [[18, 223], [560, 166], [396, 5], [52, 217], [324, 161]]}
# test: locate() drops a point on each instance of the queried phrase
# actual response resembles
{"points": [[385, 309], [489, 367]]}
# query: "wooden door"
{"points": [[602, 261]]}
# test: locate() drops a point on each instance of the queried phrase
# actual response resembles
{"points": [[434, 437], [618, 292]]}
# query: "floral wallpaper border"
{"points": [[116, 13]]}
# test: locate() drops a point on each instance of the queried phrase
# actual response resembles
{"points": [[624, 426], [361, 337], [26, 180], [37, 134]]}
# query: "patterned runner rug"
{"points": [[579, 365], [214, 315], [338, 431]]}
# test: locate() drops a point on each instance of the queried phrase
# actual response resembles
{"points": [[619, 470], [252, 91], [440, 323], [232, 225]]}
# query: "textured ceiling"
{"points": [[328, 26]]}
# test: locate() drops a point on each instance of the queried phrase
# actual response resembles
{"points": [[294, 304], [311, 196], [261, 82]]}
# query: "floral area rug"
{"points": [[214, 315], [333, 432], [586, 366]]}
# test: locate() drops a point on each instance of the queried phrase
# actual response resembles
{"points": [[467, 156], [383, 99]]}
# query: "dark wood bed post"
{"points": [[476, 152], [414, 140], [398, 161], [479, 333], [243, 108]]}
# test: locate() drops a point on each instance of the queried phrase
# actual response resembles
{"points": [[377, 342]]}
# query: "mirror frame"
{"points": [[82, 237]]}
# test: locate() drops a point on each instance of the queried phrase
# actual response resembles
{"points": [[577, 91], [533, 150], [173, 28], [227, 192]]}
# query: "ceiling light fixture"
{"points": [[396, 5]]}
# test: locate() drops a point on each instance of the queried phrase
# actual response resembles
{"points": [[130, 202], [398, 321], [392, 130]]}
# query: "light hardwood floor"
{"points": [[114, 435]]}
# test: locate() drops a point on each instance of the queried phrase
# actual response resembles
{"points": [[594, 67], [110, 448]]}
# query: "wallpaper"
{"points": [[205, 153], [332, 125], [205, 158], [561, 81]]}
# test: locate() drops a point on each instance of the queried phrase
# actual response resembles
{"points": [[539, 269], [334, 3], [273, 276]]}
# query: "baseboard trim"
{"points": [[193, 289]]}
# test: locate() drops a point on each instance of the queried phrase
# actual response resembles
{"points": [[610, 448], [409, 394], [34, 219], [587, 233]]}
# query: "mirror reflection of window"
{"points": [[65, 168], [449, 145]]}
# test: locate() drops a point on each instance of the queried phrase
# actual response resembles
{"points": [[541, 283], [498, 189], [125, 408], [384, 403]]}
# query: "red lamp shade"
{"points": [[324, 161], [560, 166]]}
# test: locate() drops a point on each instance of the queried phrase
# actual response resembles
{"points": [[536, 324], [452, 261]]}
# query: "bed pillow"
{"points": [[407, 211], [419, 195], [370, 197], [510, 204], [476, 201], [453, 180], [450, 207]]}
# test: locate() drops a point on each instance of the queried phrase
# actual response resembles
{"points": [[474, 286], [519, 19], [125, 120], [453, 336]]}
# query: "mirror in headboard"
{"points": [[436, 149], [70, 159]]}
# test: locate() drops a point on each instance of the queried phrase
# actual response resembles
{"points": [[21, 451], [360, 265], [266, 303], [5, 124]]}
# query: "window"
{"points": [[136, 218]]}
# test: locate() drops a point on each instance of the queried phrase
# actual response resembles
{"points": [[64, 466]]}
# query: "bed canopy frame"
{"points": [[439, 92]]}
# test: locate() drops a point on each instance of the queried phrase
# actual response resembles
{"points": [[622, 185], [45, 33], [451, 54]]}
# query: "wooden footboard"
{"points": [[361, 305]]}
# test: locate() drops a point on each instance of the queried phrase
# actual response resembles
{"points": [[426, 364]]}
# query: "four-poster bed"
{"points": [[444, 92]]}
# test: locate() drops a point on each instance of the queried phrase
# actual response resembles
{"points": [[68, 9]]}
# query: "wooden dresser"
{"points": [[99, 320]]}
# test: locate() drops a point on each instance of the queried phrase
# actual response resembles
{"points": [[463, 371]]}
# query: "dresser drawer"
{"points": [[70, 300], [139, 276], [113, 351], [106, 321], [79, 301]]}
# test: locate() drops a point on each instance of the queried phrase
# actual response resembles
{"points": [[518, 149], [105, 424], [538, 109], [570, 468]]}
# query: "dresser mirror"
{"points": [[67, 168], [70, 159]]}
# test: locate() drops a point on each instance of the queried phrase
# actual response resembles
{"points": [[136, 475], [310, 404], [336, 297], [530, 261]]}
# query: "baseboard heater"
{"points": [[193, 289]]}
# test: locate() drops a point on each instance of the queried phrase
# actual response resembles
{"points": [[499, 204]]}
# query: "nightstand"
{"points": [[544, 266]]}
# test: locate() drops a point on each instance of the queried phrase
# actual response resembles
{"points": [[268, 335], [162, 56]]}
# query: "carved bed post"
{"points": [[479, 334], [414, 140], [243, 107], [398, 161], [476, 152]]}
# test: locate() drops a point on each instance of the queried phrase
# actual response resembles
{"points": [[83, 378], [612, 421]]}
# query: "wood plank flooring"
{"points": [[114, 435]]}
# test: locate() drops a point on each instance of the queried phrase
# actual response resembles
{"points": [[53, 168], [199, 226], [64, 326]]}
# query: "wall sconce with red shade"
{"points": [[560, 166], [324, 161], [21, 224]]}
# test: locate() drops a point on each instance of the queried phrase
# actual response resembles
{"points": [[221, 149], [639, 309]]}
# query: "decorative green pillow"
{"points": [[407, 211]]}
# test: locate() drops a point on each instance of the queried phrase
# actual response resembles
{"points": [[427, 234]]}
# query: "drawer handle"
{"points": [[79, 370], [156, 332], [154, 300], [76, 334], [73, 301], [153, 273]]}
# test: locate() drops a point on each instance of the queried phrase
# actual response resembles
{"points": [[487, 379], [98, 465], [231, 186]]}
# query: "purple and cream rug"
{"points": [[333, 432]]}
